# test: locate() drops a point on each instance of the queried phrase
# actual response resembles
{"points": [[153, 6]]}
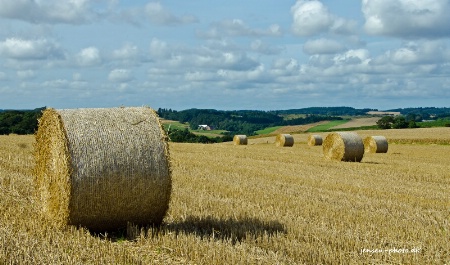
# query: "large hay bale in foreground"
{"points": [[102, 168], [343, 146], [314, 140], [240, 140], [284, 140], [375, 144]]}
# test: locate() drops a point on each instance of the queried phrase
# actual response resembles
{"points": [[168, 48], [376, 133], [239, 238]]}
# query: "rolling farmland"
{"points": [[358, 122], [257, 204]]}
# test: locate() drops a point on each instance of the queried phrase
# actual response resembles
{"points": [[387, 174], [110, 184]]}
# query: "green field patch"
{"points": [[211, 133], [268, 130], [326, 126], [436, 123], [373, 127], [180, 126], [174, 125]]}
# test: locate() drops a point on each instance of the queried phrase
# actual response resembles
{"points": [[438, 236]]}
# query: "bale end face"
{"points": [[52, 168], [314, 140], [343, 146], [375, 144], [240, 140], [284, 140]]}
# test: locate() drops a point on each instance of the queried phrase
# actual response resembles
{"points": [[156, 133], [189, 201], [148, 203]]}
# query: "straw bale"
{"points": [[284, 140], [343, 146], [102, 168], [240, 140], [314, 140], [375, 144]]}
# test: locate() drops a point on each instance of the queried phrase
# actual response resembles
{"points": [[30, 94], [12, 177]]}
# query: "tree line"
{"points": [[410, 121], [327, 111], [237, 121], [398, 122], [19, 121], [423, 113]]}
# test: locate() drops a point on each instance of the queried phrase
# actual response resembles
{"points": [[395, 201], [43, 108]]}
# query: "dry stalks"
{"points": [[258, 204]]}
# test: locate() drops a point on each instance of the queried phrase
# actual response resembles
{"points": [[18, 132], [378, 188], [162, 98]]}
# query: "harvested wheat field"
{"points": [[257, 204], [358, 122], [297, 128]]}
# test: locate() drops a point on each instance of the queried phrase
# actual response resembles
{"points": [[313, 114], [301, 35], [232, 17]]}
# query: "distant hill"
{"points": [[330, 111], [234, 121], [424, 111], [238, 121]]}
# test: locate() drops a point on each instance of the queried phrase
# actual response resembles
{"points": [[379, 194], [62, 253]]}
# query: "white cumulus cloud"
{"points": [[359, 56], [48, 11], [322, 46], [313, 17], [264, 48], [89, 57], [3, 76], [237, 27], [407, 18], [127, 52], [157, 14], [418, 53], [226, 60], [20, 49], [120, 75], [159, 49], [25, 74], [199, 76]]}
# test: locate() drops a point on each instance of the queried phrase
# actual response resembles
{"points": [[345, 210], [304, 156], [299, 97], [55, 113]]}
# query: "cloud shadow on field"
{"points": [[231, 229]]}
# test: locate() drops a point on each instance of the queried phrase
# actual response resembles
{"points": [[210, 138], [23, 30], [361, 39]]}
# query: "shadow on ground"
{"points": [[231, 229]]}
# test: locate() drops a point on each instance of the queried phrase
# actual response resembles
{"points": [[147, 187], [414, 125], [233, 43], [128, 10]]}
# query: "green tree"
{"points": [[399, 122], [385, 122], [412, 124]]}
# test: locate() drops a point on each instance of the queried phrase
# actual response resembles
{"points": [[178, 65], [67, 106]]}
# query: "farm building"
{"points": [[204, 127]]}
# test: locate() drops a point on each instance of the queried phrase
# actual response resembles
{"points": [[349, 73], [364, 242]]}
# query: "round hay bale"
{"points": [[314, 140], [102, 168], [240, 140], [375, 144], [284, 140], [343, 146]]}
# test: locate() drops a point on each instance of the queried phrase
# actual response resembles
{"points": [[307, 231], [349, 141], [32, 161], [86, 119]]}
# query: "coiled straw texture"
{"points": [[343, 146], [284, 140], [102, 168], [314, 140], [240, 140], [376, 144]]}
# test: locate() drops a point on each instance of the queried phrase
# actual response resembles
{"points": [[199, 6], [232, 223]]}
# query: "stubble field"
{"points": [[257, 204]]}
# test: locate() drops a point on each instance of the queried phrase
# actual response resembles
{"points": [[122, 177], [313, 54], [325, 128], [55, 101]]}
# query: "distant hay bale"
{"points": [[375, 144], [102, 168], [314, 140], [343, 146], [240, 140], [284, 140]]}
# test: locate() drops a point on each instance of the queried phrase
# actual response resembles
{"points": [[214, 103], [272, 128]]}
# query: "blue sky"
{"points": [[225, 55]]}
